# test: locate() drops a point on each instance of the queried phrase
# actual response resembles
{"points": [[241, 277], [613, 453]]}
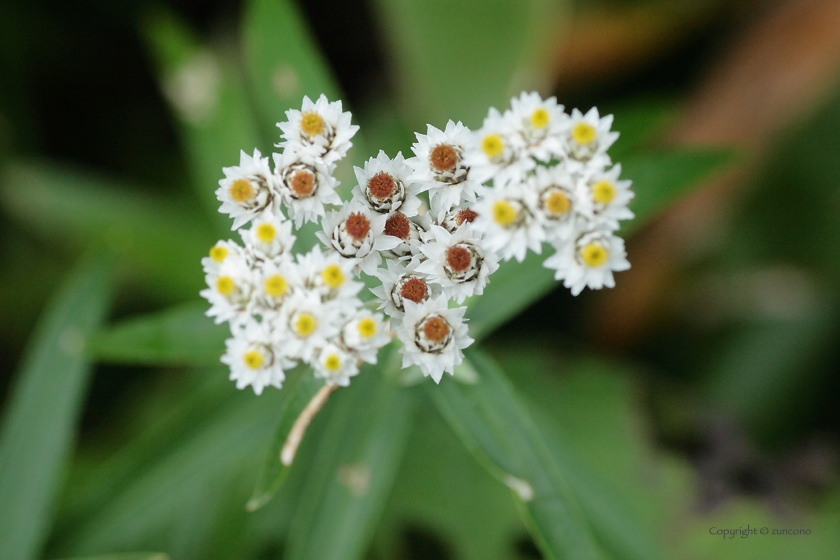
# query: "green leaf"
{"points": [[39, 425], [282, 60], [456, 58], [126, 556], [161, 239], [354, 468], [210, 103], [182, 335], [492, 423], [658, 179], [638, 121], [273, 473]]}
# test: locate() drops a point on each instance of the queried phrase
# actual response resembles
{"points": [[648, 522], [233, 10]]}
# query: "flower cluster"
{"points": [[431, 229]]}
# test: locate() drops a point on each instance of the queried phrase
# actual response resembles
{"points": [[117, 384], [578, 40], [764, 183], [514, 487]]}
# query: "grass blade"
{"points": [[492, 423], [39, 425]]}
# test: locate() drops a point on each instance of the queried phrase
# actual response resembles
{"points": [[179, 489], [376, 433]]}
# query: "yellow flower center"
{"points": [[311, 123], [332, 276], [253, 359], [503, 212], [603, 192], [558, 203], [225, 285], [492, 145], [333, 362], [306, 324], [583, 133], [276, 286], [241, 190], [539, 118], [367, 327], [218, 253], [266, 232], [594, 255]]}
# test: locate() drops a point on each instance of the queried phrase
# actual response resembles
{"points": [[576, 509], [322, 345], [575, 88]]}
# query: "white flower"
{"points": [[588, 139], [335, 365], [218, 254], [589, 262], [229, 290], [365, 334], [329, 275], [306, 185], [400, 283], [558, 202], [268, 238], [542, 124], [247, 189], [356, 232], [433, 337], [254, 359], [457, 217], [439, 167], [608, 197], [307, 324], [506, 218], [384, 185], [458, 262], [275, 283], [407, 231], [496, 151], [318, 130]]}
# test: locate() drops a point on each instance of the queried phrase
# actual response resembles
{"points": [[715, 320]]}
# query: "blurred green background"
{"points": [[700, 393]]}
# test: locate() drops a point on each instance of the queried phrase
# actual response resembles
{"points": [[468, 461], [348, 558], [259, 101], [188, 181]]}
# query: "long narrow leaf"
{"points": [[492, 423], [39, 426]]}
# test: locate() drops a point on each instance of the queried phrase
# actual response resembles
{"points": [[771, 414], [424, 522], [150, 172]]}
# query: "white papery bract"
{"points": [[507, 218], [542, 124], [306, 185], [384, 186], [530, 175], [458, 262], [357, 232], [589, 262], [247, 189], [254, 358], [365, 333], [335, 365], [439, 166], [268, 238], [320, 130], [433, 337]]}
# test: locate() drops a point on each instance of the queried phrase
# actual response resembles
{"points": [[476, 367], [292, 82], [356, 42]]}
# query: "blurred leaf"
{"points": [[456, 58], [39, 423], [161, 238], [182, 335], [493, 424], [638, 121], [353, 471], [273, 473], [442, 490], [282, 60], [209, 101], [126, 556]]}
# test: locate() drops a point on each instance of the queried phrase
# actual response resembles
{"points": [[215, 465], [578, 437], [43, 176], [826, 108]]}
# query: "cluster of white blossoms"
{"points": [[530, 176]]}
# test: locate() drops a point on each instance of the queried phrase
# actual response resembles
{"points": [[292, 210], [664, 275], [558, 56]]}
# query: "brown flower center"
{"points": [[443, 157], [381, 185], [414, 289], [458, 258], [435, 329], [302, 183], [397, 225], [465, 215], [357, 226]]}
